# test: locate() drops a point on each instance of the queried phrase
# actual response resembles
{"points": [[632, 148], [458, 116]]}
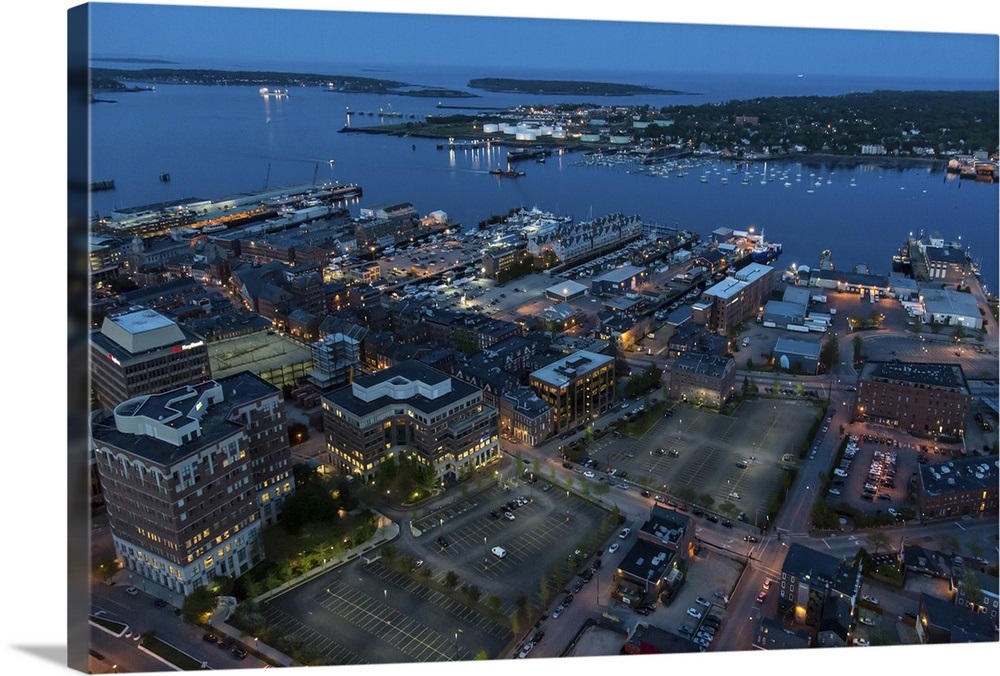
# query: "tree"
{"points": [[969, 584], [829, 354], [522, 602], [481, 655], [557, 577], [728, 509], [746, 381], [686, 493], [199, 605], [493, 602], [515, 623], [706, 499], [536, 466], [749, 366], [856, 343], [105, 566], [877, 540], [520, 464], [543, 590], [451, 579], [616, 514], [472, 591]]}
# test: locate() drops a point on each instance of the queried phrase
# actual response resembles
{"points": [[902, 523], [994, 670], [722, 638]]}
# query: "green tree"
{"points": [[746, 383], [686, 493], [520, 464], [557, 577], [522, 602], [472, 591], [515, 623], [543, 591], [451, 579], [105, 566], [706, 500], [856, 343], [969, 584], [481, 655], [536, 467], [199, 605], [829, 354], [493, 602]]}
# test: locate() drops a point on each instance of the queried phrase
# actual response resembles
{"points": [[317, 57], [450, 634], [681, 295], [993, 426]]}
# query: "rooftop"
{"points": [[802, 348], [784, 309], [964, 474], [796, 294], [619, 275], [411, 383], [566, 289], [141, 330], [646, 561], [940, 375], [579, 363], [667, 525], [945, 254], [702, 363], [943, 301], [772, 635], [853, 278], [964, 624], [811, 566]]}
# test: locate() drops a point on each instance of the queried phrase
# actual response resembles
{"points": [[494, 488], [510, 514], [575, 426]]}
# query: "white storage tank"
{"points": [[616, 138], [491, 128], [545, 130], [558, 132], [526, 135], [590, 138], [502, 126], [509, 130]]}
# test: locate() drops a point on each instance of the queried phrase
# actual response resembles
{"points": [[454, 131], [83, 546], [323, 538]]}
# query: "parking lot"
{"points": [[735, 459], [544, 531], [881, 466], [362, 613]]}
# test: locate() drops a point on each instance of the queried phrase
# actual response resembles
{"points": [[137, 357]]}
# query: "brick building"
{"points": [[963, 487], [734, 300], [926, 398], [190, 477], [525, 417], [701, 378]]}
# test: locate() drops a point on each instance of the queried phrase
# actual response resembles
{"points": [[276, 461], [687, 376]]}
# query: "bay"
{"points": [[216, 141]]}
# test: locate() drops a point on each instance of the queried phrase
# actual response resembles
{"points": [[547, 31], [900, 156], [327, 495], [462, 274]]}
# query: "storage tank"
{"points": [[558, 132], [526, 135], [545, 130], [502, 126], [509, 130], [491, 128], [590, 138]]}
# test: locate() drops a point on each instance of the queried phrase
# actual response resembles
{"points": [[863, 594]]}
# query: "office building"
{"points": [[701, 378], [734, 300], [579, 388], [932, 399]]}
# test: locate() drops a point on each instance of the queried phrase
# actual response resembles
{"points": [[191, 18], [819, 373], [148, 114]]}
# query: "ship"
{"points": [[276, 93], [764, 251], [509, 173]]}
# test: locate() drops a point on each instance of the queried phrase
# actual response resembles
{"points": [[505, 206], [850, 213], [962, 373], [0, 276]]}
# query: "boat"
{"points": [[704, 179], [276, 93], [510, 173], [764, 252], [165, 177], [725, 180]]}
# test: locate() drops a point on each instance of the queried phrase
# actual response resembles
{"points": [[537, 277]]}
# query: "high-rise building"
{"points": [[190, 477], [410, 408], [579, 388], [140, 351]]}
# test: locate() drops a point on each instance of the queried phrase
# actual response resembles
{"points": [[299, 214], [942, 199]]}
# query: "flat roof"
{"points": [[796, 294], [955, 476], [639, 561], [803, 348], [701, 363], [945, 302], [945, 254], [620, 274], [566, 289], [560, 373], [258, 352], [942, 375], [784, 309], [727, 288], [141, 330], [421, 377]]}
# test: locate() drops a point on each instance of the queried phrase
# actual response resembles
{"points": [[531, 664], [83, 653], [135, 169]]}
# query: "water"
{"points": [[216, 141]]}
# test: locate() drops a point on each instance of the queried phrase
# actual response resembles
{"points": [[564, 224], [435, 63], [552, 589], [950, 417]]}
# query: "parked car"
{"points": [[694, 612], [702, 602], [625, 533], [871, 599], [761, 596], [613, 548], [132, 591]]}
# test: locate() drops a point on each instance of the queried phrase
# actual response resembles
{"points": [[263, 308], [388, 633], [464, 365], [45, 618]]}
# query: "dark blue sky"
{"points": [[236, 38]]}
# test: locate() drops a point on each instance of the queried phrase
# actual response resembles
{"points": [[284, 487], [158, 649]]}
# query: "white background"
{"points": [[34, 557]]}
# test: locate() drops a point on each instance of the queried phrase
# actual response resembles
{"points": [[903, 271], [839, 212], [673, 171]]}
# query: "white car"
{"points": [[509, 516], [499, 552], [867, 620], [840, 472], [872, 600], [834, 491], [861, 641], [588, 474], [702, 602], [132, 591], [525, 650], [625, 533], [694, 612], [555, 613]]}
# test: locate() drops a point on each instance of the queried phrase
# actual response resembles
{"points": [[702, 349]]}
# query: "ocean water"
{"points": [[217, 141]]}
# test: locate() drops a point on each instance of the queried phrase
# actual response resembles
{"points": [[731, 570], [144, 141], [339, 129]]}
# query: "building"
{"points": [[772, 635], [985, 599], [337, 355], [569, 241], [506, 261], [525, 417], [734, 300], [701, 378], [946, 264], [810, 579], [932, 399], [939, 621], [849, 282], [656, 563], [797, 355], [962, 487], [579, 388], [781, 314], [650, 640], [140, 351], [566, 291], [409, 408], [951, 308], [619, 280], [275, 357], [190, 477]]}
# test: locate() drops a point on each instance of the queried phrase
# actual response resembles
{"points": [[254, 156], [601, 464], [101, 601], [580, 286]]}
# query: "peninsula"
{"points": [[564, 87], [337, 83]]}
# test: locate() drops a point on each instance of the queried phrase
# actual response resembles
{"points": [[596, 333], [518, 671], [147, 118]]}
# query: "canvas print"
{"points": [[426, 338]]}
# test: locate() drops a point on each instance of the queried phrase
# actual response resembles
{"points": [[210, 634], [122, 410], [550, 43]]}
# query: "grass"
{"points": [[171, 654], [110, 625], [638, 427], [282, 546]]}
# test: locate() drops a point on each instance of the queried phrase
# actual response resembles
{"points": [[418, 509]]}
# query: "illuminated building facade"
{"points": [[140, 351], [190, 476], [579, 388], [409, 408], [701, 378], [926, 398]]}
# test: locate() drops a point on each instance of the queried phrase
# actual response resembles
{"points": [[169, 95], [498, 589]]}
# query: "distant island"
{"points": [[335, 83], [104, 84], [564, 87], [130, 60]]}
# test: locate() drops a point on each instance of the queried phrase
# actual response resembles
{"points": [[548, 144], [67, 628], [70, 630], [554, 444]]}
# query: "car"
{"points": [[703, 642], [834, 491], [871, 599], [209, 638], [577, 587], [539, 635], [761, 596], [613, 548], [885, 496], [239, 653], [867, 620], [557, 611], [673, 453], [713, 518], [567, 465], [727, 523], [892, 511], [494, 514], [697, 512], [840, 472], [509, 516], [588, 474], [734, 495], [442, 542], [499, 552], [712, 621], [720, 595], [704, 635], [625, 533], [587, 575], [694, 612], [417, 564], [750, 538], [223, 642], [525, 650], [684, 629], [645, 494], [132, 591], [546, 488], [660, 451], [766, 585], [861, 641], [160, 603], [642, 610]]}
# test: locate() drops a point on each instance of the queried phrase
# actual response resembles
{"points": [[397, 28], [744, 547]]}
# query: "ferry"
{"points": [[276, 93], [510, 173]]}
